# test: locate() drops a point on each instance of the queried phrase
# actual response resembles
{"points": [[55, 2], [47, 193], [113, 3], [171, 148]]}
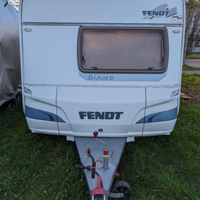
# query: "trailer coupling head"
{"points": [[99, 191]]}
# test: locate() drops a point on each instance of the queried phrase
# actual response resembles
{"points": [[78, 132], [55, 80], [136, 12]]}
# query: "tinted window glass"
{"points": [[123, 50]]}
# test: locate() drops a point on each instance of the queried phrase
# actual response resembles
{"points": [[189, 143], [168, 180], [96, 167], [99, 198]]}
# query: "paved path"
{"points": [[191, 71], [193, 62]]}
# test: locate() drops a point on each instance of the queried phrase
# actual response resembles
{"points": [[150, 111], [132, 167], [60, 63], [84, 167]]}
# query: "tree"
{"points": [[192, 25]]}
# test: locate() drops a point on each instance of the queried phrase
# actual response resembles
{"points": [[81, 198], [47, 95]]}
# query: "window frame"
{"points": [[198, 42], [123, 71]]}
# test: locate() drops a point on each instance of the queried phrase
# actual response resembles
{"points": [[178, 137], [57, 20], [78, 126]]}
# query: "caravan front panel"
{"points": [[118, 73], [111, 111]]}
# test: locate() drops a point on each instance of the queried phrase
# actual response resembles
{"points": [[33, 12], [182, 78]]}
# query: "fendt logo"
{"points": [[159, 12], [100, 115]]}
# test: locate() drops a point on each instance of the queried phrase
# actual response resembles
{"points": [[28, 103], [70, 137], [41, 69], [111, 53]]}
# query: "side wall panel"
{"points": [[40, 109], [161, 110]]}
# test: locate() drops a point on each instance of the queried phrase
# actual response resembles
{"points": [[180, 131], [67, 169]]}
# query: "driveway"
{"points": [[193, 63], [191, 71]]}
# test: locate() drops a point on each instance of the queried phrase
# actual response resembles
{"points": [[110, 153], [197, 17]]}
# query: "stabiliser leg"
{"points": [[99, 177]]}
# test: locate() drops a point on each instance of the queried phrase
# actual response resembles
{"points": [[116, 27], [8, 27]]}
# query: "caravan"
{"points": [[9, 53], [105, 69]]}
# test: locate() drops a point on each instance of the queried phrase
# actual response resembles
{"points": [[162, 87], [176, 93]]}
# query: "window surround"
{"points": [[124, 71]]}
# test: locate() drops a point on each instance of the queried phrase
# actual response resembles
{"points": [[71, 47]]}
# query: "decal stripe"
{"points": [[41, 115], [160, 116], [123, 77]]}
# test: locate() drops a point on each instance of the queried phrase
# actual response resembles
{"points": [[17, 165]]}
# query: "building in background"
{"points": [[192, 42]]}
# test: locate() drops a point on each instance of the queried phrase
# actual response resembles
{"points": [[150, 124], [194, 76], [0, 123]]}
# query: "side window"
{"points": [[198, 42], [106, 50]]}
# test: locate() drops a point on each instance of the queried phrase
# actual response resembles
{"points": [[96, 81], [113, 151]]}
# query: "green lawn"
{"points": [[37, 167], [187, 67], [193, 55]]}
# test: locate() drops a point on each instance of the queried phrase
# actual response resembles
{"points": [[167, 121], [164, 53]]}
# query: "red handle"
{"points": [[89, 151], [95, 133]]}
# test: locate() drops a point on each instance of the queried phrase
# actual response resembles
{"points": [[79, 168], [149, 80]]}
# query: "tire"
{"points": [[98, 197], [122, 187]]}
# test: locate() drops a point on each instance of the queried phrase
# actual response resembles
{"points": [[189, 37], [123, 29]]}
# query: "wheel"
{"points": [[122, 187], [98, 197]]}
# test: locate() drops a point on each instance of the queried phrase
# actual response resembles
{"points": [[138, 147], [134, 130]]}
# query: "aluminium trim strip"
{"points": [[98, 24], [103, 86]]}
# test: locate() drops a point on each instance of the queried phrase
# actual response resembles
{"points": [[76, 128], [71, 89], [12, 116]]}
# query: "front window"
{"points": [[137, 50]]}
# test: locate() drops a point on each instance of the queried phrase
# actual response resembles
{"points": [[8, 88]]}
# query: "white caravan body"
{"points": [[108, 66]]}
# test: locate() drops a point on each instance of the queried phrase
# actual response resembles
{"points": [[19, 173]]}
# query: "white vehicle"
{"points": [[14, 4], [107, 67], [9, 53]]}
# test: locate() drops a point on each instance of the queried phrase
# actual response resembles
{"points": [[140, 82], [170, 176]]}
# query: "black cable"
{"points": [[93, 166], [89, 168]]}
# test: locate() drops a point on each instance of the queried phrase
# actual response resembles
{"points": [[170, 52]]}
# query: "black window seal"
{"points": [[123, 71]]}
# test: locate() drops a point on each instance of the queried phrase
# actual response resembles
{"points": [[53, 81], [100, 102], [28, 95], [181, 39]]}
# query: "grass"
{"points": [[34, 166], [187, 67], [37, 167], [168, 167], [191, 84], [193, 55]]}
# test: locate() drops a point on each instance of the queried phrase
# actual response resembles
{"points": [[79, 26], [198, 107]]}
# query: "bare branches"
{"points": [[192, 25]]}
